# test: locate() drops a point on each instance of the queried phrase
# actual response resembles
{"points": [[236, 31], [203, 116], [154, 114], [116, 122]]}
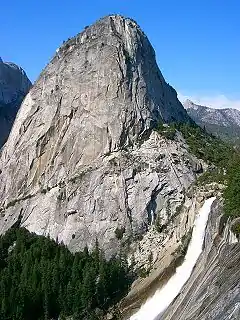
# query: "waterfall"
{"points": [[162, 298]]}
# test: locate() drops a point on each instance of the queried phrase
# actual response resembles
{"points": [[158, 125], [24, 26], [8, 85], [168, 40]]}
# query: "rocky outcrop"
{"points": [[82, 160], [213, 290], [224, 123], [14, 85], [166, 244]]}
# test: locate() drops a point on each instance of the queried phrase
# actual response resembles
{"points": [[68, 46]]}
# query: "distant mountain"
{"points": [[14, 85], [225, 123]]}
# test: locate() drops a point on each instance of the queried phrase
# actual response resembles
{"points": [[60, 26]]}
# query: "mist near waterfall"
{"points": [[162, 298]]}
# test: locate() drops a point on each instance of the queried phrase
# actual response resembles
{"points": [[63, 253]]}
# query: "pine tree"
{"points": [[45, 280], [89, 288], [102, 285]]}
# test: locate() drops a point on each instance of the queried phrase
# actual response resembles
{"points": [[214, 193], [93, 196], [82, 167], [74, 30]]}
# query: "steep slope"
{"points": [[152, 308], [14, 85], [82, 161], [225, 123], [213, 290]]}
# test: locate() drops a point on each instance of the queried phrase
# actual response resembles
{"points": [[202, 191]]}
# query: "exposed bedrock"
{"points": [[14, 85], [82, 159], [213, 290]]}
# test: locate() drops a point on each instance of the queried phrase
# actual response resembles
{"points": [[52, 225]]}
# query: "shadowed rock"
{"points": [[14, 85]]}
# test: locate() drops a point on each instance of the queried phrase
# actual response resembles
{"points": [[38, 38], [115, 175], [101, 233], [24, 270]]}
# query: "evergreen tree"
{"points": [[46, 281]]}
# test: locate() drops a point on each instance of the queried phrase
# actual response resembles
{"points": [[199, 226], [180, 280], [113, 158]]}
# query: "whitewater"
{"points": [[162, 298]]}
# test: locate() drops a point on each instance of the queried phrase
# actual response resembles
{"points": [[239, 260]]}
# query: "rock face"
{"points": [[167, 247], [224, 123], [82, 159], [83, 162], [14, 85], [213, 290]]}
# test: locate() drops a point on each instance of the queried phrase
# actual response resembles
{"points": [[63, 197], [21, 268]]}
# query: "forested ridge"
{"points": [[226, 161], [223, 160], [40, 279]]}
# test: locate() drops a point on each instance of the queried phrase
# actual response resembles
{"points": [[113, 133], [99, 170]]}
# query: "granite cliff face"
{"points": [[14, 85], [82, 160], [224, 123], [213, 290]]}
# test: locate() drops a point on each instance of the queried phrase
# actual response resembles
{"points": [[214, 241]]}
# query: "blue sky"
{"points": [[197, 42]]}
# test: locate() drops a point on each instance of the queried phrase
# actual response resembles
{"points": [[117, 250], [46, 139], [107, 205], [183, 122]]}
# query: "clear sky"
{"points": [[197, 42]]}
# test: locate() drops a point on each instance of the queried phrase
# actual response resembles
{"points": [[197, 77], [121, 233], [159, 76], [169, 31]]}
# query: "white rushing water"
{"points": [[163, 297]]}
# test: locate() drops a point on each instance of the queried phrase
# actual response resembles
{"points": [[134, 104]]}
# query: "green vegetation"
{"points": [[226, 162], [232, 192], [223, 160], [119, 232], [168, 131], [236, 229], [40, 279], [206, 146], [213, 175], [230, 135], [142, 272]]}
